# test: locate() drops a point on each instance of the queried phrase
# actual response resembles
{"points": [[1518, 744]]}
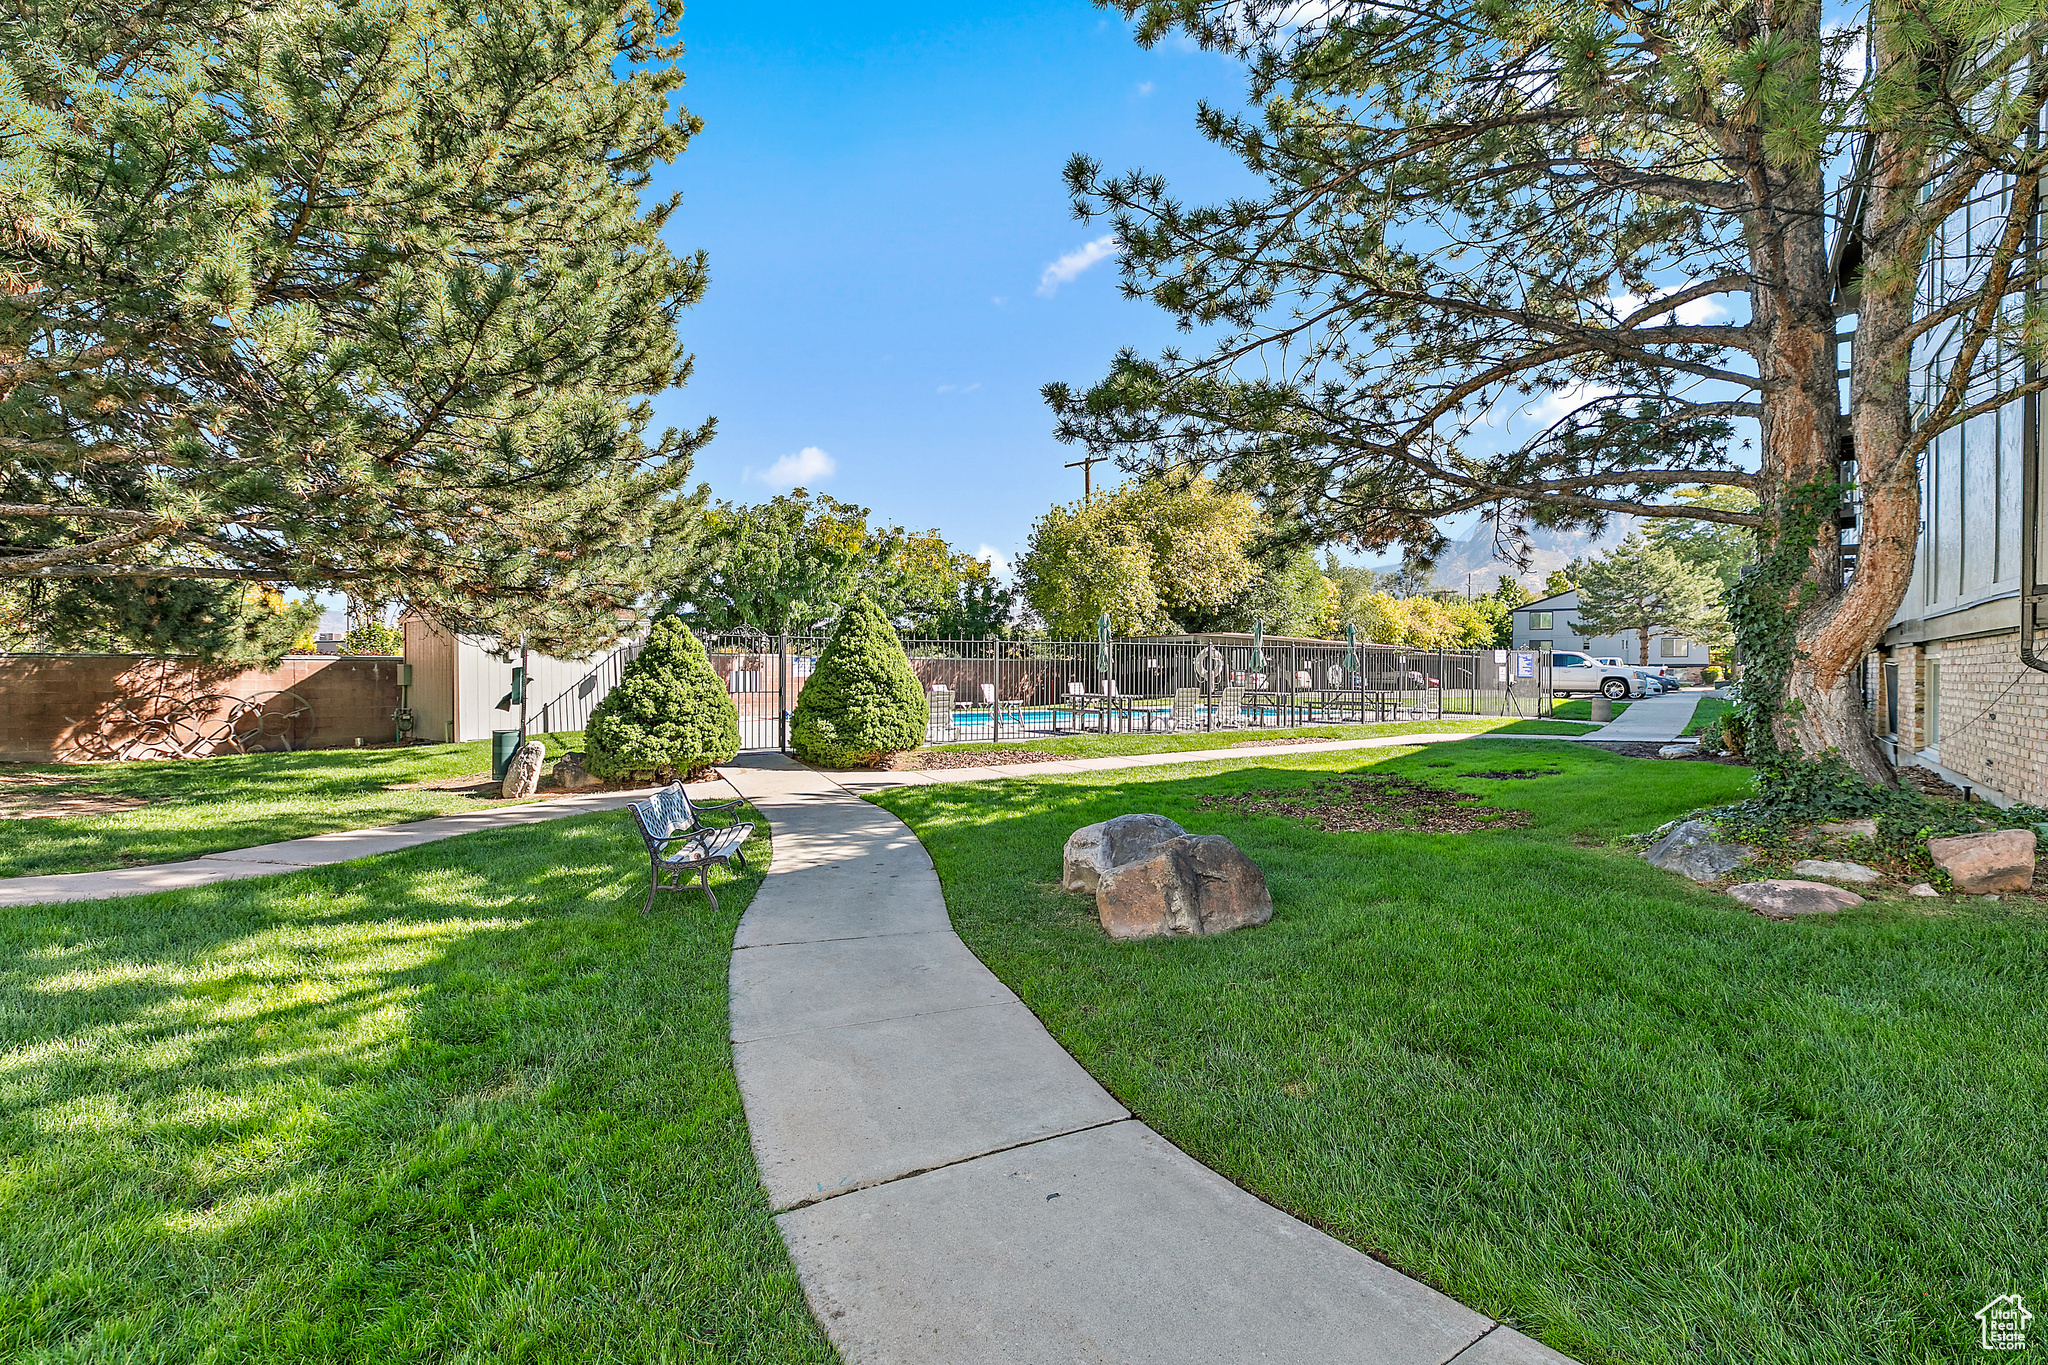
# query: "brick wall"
{"points": [[67, 707], [1992, 712]]}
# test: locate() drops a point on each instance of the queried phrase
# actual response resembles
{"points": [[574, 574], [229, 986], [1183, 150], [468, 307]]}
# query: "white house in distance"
{"points": [[1553, 623]]}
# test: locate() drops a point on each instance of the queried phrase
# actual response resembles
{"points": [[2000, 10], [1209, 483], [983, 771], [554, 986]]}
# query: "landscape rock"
{"points": [[2002, 860], [1193, 884], [1692, 850], [522, 775], [571, 774], [1921, 889], [1783, 899], [1093, 850], [1678, 751], [1821, 870], [1849, 829]]}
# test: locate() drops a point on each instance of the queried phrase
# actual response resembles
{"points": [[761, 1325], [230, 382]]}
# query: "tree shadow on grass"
{"points": [[458, 1100]]}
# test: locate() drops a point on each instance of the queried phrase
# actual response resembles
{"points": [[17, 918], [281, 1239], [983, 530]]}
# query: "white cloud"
{"points": [[995, 559], [1068, 268], [805, 467], [1692, 313], [960, 388], [1144, 87], [999, 300], [1558, 402]]}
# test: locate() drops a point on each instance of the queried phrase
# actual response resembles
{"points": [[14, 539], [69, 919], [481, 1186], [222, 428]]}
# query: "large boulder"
{"points": [[1783, 899], [1093, 850], [572, 773], [1194, 884], [522, 775], [1692, 850], [1820, 869], [2002, 860]]}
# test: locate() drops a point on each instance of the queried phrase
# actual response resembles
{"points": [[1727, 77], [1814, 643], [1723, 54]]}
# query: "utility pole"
{"points": [[1087, 468]]}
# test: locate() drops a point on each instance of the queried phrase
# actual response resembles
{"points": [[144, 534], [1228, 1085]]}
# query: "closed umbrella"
{"points": [[1258, 646], [1350, 649], [1102, 659]]}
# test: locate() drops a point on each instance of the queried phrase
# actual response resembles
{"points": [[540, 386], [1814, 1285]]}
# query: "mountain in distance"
{"points": [[1549, 550]]}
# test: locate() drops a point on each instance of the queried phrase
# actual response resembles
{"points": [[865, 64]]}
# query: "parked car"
{"points": [[1657, 680], [1574, 672]]}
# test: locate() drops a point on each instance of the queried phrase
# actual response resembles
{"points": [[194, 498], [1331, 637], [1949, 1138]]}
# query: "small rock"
{"points": [[1783, 899], [522, 775], [1921, 889], [1093, 850], [1991, 898], [2002, 860], [1849, 829], [1194, 884], [1679, 751], [571, 773], [1691, 850], [1822, 870]]}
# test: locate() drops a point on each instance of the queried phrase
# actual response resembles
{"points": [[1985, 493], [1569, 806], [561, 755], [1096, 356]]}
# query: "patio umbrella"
{"points": [[1258, 646], [1102, 659], [1350, 649]]}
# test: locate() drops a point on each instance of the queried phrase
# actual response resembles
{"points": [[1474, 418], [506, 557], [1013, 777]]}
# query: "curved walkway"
{"points": [[955, 1189]]}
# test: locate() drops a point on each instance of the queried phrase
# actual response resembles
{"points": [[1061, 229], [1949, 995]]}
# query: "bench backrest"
{"points": [[668, 811]]}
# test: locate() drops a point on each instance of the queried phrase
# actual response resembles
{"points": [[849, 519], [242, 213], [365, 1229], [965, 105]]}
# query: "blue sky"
{"points": [[879, 191]]}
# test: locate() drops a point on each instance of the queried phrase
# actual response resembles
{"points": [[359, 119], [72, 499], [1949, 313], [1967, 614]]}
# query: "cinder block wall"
{"points": [[49, 701]]}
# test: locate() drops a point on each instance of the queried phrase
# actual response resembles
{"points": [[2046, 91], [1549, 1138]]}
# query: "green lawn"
{"points": [[1710, 710], [1100, 746], [459, 1103], [1581, 708], [1569, 1090], [207, 805]]}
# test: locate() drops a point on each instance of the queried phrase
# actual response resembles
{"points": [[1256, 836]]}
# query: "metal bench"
{"points": [[670, 817]]}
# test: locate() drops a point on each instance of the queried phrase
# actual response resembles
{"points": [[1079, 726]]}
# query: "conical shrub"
{"points": [[669, 713], [862, 702]]}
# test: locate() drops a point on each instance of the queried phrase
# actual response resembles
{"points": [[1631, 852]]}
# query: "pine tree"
{"points": [[862, 702], [1655, 214], [1645, 589], [348, 297], [670, 712]]}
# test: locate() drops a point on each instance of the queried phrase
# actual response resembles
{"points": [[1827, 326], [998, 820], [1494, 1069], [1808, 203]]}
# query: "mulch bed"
{"points": [[33, 797], [971, 758], [1371, 802]]}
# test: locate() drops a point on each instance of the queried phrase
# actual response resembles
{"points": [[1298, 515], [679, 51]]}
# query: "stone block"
{"points": [[2000, 860], [1784, 898], [522, 775], [1693, 851], [1195, 884], [1093, 850], [1848, 829], [1820, 869]]}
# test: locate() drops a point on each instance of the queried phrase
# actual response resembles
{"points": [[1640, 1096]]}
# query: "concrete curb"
{"points": [[955, 1190]]}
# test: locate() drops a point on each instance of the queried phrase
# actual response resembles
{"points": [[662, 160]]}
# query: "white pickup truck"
{"points": [[1574, 672]]}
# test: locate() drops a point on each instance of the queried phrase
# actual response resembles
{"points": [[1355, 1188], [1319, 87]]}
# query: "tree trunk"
{"points": [[1793, 304], [1643, 651]]}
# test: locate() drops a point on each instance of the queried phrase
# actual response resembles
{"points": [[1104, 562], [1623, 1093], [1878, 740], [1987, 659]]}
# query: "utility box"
{"points": [[405, 675], [504, 744]]}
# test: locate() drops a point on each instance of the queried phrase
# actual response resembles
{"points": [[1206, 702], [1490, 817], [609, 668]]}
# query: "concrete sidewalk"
{"points": [[316, 850], [955, 1189], [1653, 720]]}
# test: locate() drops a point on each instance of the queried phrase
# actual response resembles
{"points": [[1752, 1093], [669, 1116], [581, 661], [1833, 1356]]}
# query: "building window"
{"points": [[1673, 647], [1539, 644], [1933, 704], [1541, 620]]}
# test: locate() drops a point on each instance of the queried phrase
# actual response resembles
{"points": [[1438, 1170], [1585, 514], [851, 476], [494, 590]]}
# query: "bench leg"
{"points": [[704, 884], [653, 885]]}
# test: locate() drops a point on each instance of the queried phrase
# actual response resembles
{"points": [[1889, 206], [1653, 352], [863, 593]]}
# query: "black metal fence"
{"points": [[1018, 689]]}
